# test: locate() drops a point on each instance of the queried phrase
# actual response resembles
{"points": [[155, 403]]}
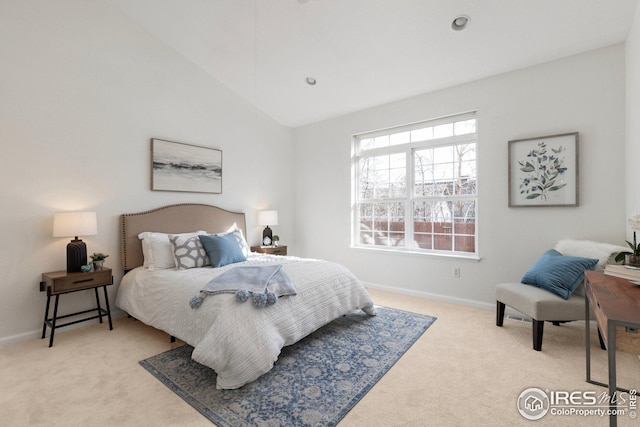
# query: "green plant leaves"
{"points": [[542, 172]]}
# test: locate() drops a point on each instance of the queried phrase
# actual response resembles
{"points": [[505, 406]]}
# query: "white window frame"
{"points": [[410, 197]]}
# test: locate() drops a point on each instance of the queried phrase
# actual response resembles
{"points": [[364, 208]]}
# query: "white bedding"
{"points": [[237, 340]]}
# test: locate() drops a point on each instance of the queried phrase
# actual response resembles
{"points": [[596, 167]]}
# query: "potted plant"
{"points": [[98, 259], [632, 258], [276, 240]]}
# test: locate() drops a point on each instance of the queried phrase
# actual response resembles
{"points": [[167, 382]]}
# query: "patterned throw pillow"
{"points": [[157, 250], [188, 252]]}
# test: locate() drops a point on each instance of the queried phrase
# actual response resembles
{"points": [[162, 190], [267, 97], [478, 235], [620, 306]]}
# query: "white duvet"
{"points": [[237, 340]]}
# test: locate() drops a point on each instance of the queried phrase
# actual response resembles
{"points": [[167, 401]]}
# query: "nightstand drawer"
{"points": [[271, 250], [61, 282]]}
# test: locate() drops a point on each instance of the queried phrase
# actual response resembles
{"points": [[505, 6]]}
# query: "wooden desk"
{"points": [[616, 304]]}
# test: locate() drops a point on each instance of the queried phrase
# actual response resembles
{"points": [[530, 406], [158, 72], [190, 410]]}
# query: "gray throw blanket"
{"points": [[263, 284]]}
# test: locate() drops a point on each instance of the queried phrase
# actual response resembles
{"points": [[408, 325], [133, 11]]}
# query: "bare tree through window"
{"points": [[417, 187]]}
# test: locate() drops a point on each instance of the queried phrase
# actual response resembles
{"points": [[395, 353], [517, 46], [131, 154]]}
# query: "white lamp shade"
{"points": [[268, 218], [75, 224]]}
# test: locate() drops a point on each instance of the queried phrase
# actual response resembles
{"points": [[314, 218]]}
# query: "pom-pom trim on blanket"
{"points": [[263, 300], [259, 300], [264, 285], [196, 302], [242, 295], [272, 298]]}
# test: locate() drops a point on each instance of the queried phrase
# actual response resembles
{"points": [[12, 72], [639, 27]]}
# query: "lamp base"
{"points": [[267, 236], [76, 255]]}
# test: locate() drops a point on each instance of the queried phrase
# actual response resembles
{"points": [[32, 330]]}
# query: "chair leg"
{"points": [[538, 330], [499, 313]]}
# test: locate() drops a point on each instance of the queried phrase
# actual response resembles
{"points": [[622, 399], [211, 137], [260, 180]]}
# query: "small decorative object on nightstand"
{"points": [[271, 250], [98, 260], [61, 282], [267, 218]]}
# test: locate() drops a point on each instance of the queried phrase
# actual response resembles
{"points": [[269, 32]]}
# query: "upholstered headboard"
{"points": [[181, 218]]}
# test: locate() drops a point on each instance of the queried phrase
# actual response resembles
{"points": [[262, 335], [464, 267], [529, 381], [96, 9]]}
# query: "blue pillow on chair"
{"points": [[222, 250], [558, 273]]}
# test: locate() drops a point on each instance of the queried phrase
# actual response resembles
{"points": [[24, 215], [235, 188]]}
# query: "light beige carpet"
{"points": [[464, 371]]}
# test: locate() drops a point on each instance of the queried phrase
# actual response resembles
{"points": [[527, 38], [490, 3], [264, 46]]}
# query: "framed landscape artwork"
{"points": [[543, 171], [184, 167]]}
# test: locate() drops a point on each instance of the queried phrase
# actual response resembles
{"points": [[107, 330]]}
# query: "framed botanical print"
{"points": [[185, 167], [543, 171]]}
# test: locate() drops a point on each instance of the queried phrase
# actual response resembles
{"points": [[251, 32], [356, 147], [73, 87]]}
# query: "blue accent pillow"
{"points": [[558, 273], [222, 250]]}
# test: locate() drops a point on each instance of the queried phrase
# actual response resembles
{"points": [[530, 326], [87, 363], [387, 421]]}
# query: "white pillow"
{"points": [[588, 249], [156, 249], [603, 252], [237, 233]]}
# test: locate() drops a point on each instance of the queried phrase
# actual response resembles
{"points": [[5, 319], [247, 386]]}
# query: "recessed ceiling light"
{"points": [[460, 22], [311, 81]]}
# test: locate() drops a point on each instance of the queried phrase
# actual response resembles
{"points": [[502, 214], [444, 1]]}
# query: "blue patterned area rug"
{"points": [[315, 382]]}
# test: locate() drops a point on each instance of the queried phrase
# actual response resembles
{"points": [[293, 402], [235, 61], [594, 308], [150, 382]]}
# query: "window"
{"points": [[415, 187]]}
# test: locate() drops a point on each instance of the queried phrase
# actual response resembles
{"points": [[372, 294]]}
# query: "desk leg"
{"points": [[53, 320], [587, 327], [46, 315], [106, 300], [611, 355], [98, 304]]}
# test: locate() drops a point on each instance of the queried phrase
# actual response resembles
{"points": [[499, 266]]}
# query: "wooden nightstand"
{"points": [[271, 250], [60, 282]]}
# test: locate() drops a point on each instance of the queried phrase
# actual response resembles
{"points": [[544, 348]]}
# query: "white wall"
{"points": [[583, 93], [83, 89], [632, 50]]}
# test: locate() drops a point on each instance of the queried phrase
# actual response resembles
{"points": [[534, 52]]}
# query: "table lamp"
{"points": [[75, 224], [267, 218]]}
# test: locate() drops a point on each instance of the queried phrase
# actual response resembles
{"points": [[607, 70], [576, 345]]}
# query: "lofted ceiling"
{"points": [[370, 52]]}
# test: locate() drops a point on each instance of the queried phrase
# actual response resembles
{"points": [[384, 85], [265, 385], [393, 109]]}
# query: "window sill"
{"points": [[404, 252]]}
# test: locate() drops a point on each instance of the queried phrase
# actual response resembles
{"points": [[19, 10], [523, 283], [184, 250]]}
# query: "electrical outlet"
{"points": [[455, 272]]}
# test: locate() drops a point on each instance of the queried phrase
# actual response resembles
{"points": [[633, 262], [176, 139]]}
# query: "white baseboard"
{"points": [[436, 297], [36, 334], [26, 336], [508, 312]]}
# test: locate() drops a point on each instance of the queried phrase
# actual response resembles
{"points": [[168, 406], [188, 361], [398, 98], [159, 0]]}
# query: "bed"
{"points": [[239, 340]]}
